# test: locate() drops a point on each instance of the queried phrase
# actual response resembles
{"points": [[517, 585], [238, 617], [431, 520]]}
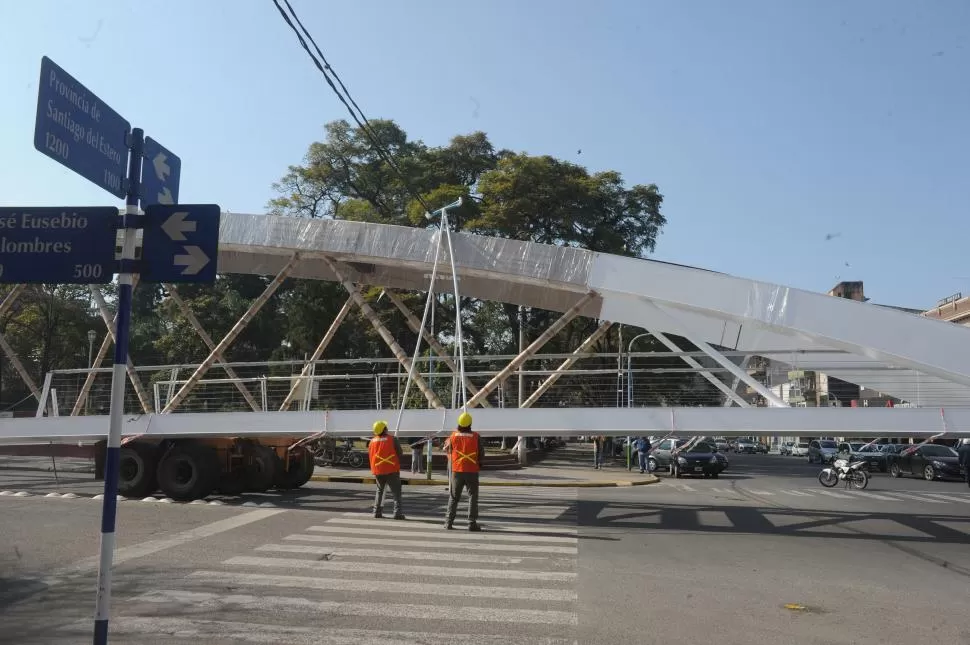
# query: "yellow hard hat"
{"points": [[464, 420], [380, 426]]}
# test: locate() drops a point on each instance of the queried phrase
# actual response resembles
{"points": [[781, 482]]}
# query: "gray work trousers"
{"points": [[460, 481], [392, 480]]}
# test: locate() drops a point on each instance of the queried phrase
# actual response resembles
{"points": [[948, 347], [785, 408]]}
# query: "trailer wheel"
{"points": [[188, 471], [262, 471], [299, 472], [136, 470]]}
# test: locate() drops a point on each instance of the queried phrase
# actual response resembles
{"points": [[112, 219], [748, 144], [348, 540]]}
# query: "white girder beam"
{"points": [[106, 343], [18, 365], [415, 326], [254, 308], [136, 383], [583, 348], [536, 345], [734, 386], [207, 339], [369, 313], [498, 422], [318, 352], [746, 378], [715, 381]]}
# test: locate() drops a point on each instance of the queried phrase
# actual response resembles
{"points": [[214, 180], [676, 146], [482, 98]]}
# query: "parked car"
{"points": [[661, 454], [799, 449], [746, 446], [822, 451], [930, 460], [699, 459], [786, 447], [871, 454], [722, 444]]}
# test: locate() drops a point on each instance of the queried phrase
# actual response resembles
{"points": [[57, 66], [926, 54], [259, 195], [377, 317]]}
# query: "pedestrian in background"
{"points": [[385, 464], [416, 446], [643, 449], [467, 453], [598, 442]]}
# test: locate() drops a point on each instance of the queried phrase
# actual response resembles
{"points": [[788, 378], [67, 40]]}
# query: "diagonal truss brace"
{"points": [[734, 386], [327, 338], [714, 380], [9, 351], [415, 326], [583, 348], [369, 313], [136, 383], [207, 339], [219, 349], [99, 358], [536, 345], [736, 371]]}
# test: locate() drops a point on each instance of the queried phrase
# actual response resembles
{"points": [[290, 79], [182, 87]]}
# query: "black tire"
{"points": [[261, 471], [356, 460], [861, 480], [136, 469], [828, 482], [188, 471], [929, 473], [651, 464], [715, 475], [299, 472], [894, 471]]}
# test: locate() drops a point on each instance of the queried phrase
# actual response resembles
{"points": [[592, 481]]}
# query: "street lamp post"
{"points": [[629, 393]]}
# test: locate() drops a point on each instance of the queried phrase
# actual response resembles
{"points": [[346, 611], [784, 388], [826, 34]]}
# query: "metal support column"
{"points": [[769, 396], [207, 339], [368, 312], [523, 442], [715, 381], [318, 352], [106, 343], [536, 345], [433, 343], [583, 348], [143, 398], [231, 336]]}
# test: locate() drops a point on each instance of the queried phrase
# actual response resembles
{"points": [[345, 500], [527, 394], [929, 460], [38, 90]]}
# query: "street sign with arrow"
{"points": [[181, 243], [160, 175]]}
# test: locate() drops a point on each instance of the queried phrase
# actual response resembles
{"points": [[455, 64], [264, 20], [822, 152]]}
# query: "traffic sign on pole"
{"points": [[68, 245], [160, 175], [180, 243], [77, 129]]}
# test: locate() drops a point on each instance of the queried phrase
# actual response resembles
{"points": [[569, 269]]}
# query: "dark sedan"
{"points": [[701, 459], [931, 461]]}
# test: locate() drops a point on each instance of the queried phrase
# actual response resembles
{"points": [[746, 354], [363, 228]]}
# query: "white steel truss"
{"points": [[583, 348], [132, 374], [18, 365]]}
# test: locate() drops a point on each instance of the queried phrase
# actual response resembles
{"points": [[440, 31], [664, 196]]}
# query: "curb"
{"points": [[342, 479]]}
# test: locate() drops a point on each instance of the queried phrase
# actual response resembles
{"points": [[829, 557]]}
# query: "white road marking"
{"points": [[797, 493], [952, 498], [424, 544], [419, 526], [440, 534], [204, 631], [867, 494], [383, 586], [403, 569], [380, 554], [833, 494], [762, 493], [915, 497], [511, 526]]}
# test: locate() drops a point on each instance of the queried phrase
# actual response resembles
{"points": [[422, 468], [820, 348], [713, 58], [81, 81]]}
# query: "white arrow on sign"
{"points": [[165, 197], [194, 260], [162, 171], [176, 226]]}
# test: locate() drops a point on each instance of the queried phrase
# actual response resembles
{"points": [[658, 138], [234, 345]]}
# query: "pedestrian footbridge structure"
{"points": [[919, 360]]}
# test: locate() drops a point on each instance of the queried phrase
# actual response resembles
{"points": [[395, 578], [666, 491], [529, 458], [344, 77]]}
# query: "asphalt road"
{"points": [[687, 561]]}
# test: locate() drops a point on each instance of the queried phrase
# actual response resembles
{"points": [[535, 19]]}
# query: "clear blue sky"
{"points": [[767, 124]]}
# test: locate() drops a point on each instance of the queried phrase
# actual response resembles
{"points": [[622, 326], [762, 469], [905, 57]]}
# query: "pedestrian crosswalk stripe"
{"points": [[763, 493], [369, 554], [916, 497], [511, 526], [404, 569], [470, 545], [952, 498], [205, 631], [797, 493], [377, 529], [833, 494], [868, 495], [421, 526], [234, 578]]}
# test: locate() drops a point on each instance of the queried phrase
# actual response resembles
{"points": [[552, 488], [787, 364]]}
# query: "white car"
{"points": [[799, 449]]}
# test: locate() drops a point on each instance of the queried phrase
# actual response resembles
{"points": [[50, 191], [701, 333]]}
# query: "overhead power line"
{"points": [[359, 118]]}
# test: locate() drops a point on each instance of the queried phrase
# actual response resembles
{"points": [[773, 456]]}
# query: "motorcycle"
{"points": [[852, 474]]}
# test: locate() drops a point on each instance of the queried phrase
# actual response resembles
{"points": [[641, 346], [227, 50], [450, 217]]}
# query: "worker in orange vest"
{"points": [[467, 452], [385, 464]]}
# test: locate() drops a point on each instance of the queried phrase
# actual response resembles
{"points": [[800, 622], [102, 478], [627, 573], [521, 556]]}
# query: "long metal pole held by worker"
{"points": [[119, 377]]}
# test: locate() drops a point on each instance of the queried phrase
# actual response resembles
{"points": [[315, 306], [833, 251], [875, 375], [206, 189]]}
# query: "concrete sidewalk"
{"points": [[568, 467]]}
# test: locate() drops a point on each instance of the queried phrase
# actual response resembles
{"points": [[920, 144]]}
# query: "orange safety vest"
{"points": [[383, 457], [464, 452]]}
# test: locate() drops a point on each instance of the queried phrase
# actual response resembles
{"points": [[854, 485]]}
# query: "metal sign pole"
{"points": [[118, 378]]}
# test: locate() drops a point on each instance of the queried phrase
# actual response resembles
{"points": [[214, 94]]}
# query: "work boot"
{"points": [[399, 516], [378, 515], [449, 527], [474, 527]]}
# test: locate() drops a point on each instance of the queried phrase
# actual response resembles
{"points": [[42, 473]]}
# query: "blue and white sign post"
{"points": [[75, 245]]}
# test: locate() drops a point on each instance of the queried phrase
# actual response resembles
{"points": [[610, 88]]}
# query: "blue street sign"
{"points": [[180, 243], [160, 175], [58, 245], [77, 129]]}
